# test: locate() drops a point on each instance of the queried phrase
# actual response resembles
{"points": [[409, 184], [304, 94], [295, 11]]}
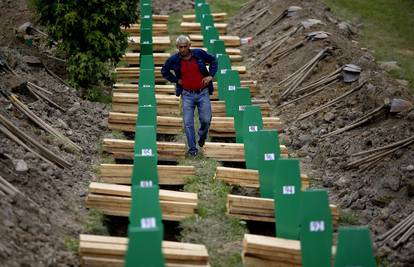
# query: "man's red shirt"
{"points": [[191, 77]]}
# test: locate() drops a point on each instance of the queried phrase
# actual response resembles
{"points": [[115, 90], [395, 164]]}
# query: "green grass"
{"points": [[95, 223], [387, 30], [348, 218], [71, 244]]}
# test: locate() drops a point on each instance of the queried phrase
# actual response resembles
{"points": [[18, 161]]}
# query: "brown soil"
{"points": [[380, 197]]}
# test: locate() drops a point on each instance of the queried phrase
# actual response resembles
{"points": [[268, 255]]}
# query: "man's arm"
{"points": [[166, 71], [212, 60]]}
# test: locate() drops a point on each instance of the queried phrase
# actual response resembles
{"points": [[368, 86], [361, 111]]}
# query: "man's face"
{"points": [[183, 49]]}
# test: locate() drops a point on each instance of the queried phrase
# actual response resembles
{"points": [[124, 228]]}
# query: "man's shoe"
{"points": [[201, 142], [193, 154]]}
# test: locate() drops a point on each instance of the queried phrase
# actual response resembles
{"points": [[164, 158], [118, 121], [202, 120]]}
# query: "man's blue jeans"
{"points": [[201, 100]]}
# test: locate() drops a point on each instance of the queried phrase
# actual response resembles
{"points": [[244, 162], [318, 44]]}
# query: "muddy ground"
{"points": [[380, 197], [38, 228]]}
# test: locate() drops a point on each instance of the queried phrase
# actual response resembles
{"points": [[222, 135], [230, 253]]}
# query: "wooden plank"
{"points": [[247, 177], [229, 40], [194, 27], [158, 29], [169, 89], [156, 18], [261, 209], [160, 43], [229, 151], [133, 58], [123, 149], [217, 17]]}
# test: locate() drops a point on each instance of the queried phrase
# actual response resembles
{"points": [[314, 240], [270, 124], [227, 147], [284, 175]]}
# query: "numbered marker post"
{"points": [[200, 10], [219, 48], [207, 22], [145, 204], [147, 62], [146, 9], [144, 171], [145, 141], [241, 101], [146, 21], [209, 37], [147, 115], [224, 62], [146, 43], [268, 153], [287, 198], [227, 82], [354, 248], [147, 88], [252, 124], [316, 229]]}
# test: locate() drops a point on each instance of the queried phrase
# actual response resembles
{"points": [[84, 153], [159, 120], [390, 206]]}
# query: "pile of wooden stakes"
{"points": [[303, 218]]}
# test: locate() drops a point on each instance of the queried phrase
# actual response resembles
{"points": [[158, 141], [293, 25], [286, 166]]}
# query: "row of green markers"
{"points": [[145, 230], [301, 215]]}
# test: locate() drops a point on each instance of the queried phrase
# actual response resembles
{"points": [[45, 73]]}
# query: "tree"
{"points": [[89, 33]]}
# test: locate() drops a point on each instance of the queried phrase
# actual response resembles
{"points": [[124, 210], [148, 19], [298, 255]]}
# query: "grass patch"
{"points": [[387, 30], [211, 226], [348, 218], [71, 244], [95, 224], [96, 94]]}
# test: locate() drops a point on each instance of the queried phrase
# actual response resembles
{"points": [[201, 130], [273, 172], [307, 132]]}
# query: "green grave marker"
{"points": [[145, 171], [316, 229], [207, 23], [145, 230], [146, 44], [145, 141], [202, 9], [209, 37], [146, 9], [354, 248], [228, 81], [268, 153], [147, 116], [252, 124], [146, 89], [287, 186], [218, 48], [147, 62], [224, 62], [242, 99]]}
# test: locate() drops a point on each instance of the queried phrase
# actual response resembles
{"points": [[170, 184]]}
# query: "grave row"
{"points": [[301, 215]]}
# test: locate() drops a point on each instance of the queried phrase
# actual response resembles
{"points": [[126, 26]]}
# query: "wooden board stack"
{"points": [[113, 199], [167, 174], [105, 251], [217, 17], [160, 43], [124, 149], [133, 58], [157, 29], [167, 105], [246, 177], [194, 27], [233, 152], [229, 41], [220, 126], [268, 251], [259, 209]]}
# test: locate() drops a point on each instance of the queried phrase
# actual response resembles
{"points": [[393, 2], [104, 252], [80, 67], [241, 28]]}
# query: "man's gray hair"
{"points": [[182, 39]]}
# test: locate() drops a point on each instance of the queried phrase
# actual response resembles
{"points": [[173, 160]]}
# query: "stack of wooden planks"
{"points": [[133, 58], [167, 174], [217, 17], [169, 89], [160, 19], [194, 27], [259, 209], [105, 251], [132, 73], [219, 108], [114, 199], [229, 41], [246, 177], [167, 105], [220, 126], [124, 149], [157, 29], [159, 43], [230, 151], [271, 251]]}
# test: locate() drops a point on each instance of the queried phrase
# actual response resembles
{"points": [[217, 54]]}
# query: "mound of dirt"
{"points": [[40, 226], [380, 197]]}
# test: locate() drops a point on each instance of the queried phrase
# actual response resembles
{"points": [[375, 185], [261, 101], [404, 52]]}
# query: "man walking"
{"points": [[194, 82]]}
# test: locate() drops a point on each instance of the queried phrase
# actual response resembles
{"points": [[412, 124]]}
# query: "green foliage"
{"points": [[96, 223], [89, 33], [71, 244]]}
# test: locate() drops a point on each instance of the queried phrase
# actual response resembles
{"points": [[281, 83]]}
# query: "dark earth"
{"points": [[38, 226]]}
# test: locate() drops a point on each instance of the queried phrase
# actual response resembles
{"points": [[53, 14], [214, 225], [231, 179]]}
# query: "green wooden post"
{"points": [[224, 62], [147, 116], [207, 23], [252, 124], [354, 248], [147, 62], [146, 44], [268, 153], [145, 141], [201, 9], [218, 48], [227, 81], [145, 171], [316, 229], [241, 101], [147, 88], [287, 186], [145, 230], [209, 37]]}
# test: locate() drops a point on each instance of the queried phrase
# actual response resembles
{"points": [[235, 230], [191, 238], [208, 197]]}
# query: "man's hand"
{"points": [[180, 82], [207, 80]]}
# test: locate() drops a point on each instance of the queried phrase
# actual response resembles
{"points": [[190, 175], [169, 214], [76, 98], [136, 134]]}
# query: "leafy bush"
{"points": [[89, 33]]}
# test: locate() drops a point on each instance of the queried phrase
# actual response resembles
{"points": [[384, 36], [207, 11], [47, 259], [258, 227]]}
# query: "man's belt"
{"points": [[197, 91]]}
